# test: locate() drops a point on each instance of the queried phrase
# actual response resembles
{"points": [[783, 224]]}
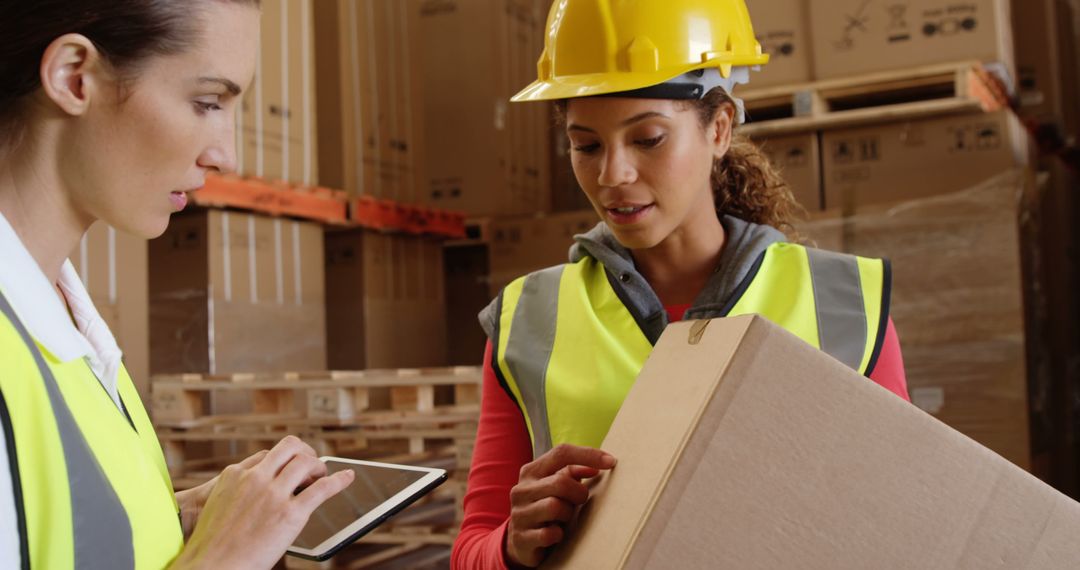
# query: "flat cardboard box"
{"points": [[799, 159], [388, 300], [237, 292], [113, 266], [782, 28], [277, 122], [467, 293], [522, 245], [917, 159], [852, 37], [960, 324], [371, 121], [770, 454], [486, 156]]}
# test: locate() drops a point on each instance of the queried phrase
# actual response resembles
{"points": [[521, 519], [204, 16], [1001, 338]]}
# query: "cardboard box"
{"points": [[113, 266], [772, 455], [235, 292], [368, 91], [388, 300], [486, 156], [468, 291], [276, 125], [782, 28], [799, 159], [522, 245], [903, 161], [852, 37]]}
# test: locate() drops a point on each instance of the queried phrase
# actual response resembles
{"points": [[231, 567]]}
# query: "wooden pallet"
{"points": [[321, 398], [914, 93]]}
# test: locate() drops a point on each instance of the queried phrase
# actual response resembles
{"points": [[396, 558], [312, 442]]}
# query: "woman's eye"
{"points": [[206, 106], [649, 143], [586, 148]]}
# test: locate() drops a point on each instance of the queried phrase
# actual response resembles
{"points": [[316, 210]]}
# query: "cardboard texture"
{"points": [[899, 161], [851, 37], [957, 303], [485, 155], [782, 28], [369, 90], [235, 292], [113, 266], [772, 455], [799, 159], [467, 293], [389, 302], [276, 125], [522, 245]]}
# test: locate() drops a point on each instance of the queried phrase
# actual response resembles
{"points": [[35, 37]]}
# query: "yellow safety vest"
{"points": [[91, 487], [568, 350]]}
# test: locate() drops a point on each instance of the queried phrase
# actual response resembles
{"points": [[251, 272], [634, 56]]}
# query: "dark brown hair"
{"points": [[745, 183], [126, 32]]}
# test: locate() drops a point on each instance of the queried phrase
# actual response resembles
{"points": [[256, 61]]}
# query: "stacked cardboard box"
{"points": [[113, 265], [957, 302], [485, 155], [782, 28], [368, 86], [236, 292], [276, 126], [798, 157], [387, 300], [851, 37]]}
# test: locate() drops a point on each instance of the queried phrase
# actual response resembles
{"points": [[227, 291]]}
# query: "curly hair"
{"points": [[745, 182]]}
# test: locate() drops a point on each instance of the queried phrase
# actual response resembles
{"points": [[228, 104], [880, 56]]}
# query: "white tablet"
{"points": [[378, 491]]}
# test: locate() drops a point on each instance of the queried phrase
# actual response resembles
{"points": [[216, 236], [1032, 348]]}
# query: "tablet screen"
{"points": [[370, 488]]}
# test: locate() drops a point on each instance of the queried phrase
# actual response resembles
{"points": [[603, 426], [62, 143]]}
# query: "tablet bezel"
{"points": [[433, 477]]}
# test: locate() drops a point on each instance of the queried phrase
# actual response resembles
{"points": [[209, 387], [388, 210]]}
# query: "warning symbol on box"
{"points": [[976, 138]]}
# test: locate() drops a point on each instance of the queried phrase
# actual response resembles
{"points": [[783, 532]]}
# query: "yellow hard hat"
{"points": [[597, 47]]}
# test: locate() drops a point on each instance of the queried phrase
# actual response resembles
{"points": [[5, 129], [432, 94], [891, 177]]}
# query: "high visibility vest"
{"points": [[91, 486], [568, 350]]}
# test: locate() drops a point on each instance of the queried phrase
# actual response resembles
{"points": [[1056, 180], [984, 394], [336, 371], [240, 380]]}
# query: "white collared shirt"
{"points": [[48, 322]]}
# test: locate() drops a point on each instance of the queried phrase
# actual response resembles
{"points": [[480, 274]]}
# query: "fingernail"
{"points": [[609, 460]]}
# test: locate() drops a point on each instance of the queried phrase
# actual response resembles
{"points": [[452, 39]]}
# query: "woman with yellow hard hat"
{"points": [[691, 218], [113, 111]]}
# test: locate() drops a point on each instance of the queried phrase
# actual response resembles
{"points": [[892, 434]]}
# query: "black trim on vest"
{"points": [[495, 354], [641, 321], [745, 283], [883, 321], [16, 484]]}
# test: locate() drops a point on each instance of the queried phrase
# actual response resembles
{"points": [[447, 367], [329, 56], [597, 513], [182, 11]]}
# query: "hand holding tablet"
{"points": [[378, 491]]}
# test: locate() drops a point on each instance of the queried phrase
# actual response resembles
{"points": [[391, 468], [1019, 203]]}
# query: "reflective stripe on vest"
{"points": [[71, 513], [568, 350]]}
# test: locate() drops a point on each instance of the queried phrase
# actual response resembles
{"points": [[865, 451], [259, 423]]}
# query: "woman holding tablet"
{"points": [[113, 111], [691, 218]]}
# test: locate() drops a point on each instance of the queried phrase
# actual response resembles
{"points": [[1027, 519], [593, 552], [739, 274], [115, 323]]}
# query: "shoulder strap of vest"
{"points": [[101, 530], [13, 459]]}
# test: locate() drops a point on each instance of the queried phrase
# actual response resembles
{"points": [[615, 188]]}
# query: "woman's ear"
{"points": [[721, 128], [71, 72]]}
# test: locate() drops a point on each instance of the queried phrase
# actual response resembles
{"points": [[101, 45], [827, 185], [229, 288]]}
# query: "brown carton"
{"points": [[236, 292], [773, 455], [388, 297], [783, 29], [522, 245], [486, 156], [916, 159], [113, 266], [368, 92], [957, 302], [276, 126], [799, 159], [852, 37]]}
